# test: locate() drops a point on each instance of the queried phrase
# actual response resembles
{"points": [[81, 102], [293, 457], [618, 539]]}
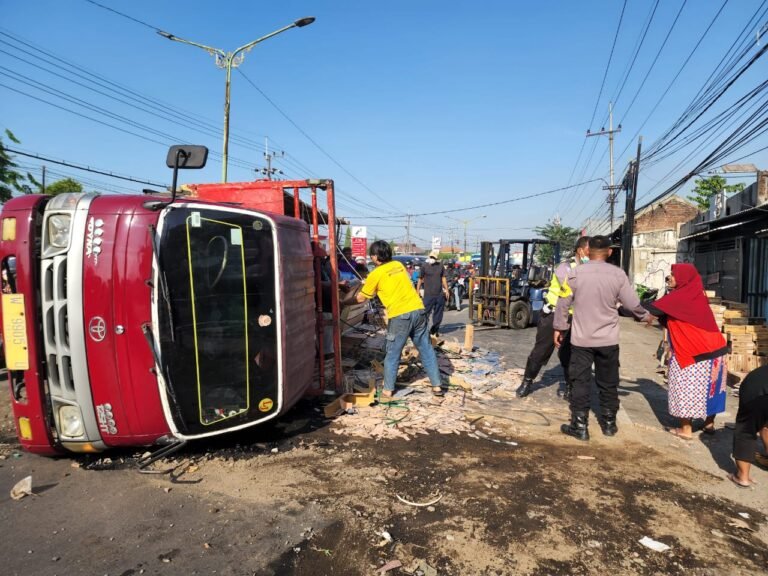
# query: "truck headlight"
{"points": [[58, 230], [70, 421]]}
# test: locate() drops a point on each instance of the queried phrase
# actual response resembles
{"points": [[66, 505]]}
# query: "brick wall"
{"points": [[665, 216]]}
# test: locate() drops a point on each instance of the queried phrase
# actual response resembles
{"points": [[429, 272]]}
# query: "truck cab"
{"points": [[131, 320]]}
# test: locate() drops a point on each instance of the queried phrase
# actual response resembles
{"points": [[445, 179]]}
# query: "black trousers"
{"points": [[750, 419], [434, 306], [545, 345], [606, 361]]}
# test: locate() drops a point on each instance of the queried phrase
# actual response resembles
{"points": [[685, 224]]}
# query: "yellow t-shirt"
{"points": [[392, 284]]}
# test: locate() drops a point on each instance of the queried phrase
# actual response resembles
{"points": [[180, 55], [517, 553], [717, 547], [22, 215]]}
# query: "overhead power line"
{"points": [[123, 15], [85, 168], [608, 65], [501, 202]]}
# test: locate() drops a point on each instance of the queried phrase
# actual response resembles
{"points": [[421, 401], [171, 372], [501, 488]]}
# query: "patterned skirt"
{"points": [[698, 390]]}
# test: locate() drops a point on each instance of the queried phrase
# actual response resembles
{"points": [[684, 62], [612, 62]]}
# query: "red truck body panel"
{"points": [[116, 290], [25, 210]]}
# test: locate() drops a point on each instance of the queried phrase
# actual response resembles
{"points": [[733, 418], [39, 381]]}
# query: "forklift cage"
{"points": [[503, 297]]}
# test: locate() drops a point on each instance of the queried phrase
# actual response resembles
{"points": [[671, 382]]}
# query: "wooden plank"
{"points": [[469, 337]]}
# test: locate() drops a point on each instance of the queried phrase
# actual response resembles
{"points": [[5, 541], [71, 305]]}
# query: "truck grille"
{"points": [[56, 327]]}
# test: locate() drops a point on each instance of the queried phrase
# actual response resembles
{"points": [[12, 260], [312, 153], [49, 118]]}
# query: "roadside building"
{"points": [[729, 246], [655, 240]]}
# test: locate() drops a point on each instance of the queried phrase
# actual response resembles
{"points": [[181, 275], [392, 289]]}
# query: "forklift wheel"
{"points": [[519, 315]]}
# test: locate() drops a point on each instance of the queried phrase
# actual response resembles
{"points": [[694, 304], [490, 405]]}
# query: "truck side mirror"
{"points": [[186, 156]]}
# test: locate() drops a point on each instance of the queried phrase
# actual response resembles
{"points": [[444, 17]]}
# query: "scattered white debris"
{"points": [[653, 544], [22, 488]]}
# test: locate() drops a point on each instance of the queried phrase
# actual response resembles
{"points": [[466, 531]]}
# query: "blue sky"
{"points": [[429, 105]]}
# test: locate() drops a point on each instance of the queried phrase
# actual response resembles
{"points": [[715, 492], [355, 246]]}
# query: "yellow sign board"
{"points": [[15, 332]]}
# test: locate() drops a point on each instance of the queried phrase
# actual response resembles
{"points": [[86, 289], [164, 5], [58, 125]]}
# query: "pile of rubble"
{"points": [[471, 378]]}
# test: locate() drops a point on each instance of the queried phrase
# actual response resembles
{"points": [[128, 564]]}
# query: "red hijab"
{"points": [[687, 302]]}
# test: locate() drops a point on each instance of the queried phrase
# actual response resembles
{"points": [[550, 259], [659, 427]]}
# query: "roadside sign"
{"points": [[359, 241]]}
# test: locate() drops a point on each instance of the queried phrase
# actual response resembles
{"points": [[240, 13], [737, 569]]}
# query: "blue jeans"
{"points": [[457, 297], [413, 324]]}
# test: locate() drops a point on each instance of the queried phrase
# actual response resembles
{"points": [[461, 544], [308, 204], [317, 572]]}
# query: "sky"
{"points": [[412, 107]]}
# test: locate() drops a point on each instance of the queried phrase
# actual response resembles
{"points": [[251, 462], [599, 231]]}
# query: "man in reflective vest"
{"points": [[544, 346]]}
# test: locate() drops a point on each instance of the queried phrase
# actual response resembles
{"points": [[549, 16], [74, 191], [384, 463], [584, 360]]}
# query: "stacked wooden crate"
{"points": [[747, 336], [716, 305]]}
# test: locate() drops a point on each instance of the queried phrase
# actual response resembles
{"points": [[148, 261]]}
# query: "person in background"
{"points": [[452, 278], [751, 419], [545, 344], [405, 312], [697, 373], [432, 279], [596, 290], [347, 265], [415, 274]]}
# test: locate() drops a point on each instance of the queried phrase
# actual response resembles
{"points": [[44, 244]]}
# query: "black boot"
{"points": [[525, 388], [608, 423], [578, 428]]}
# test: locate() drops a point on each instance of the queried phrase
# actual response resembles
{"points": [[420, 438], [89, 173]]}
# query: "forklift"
{"points": [[510, 289]]}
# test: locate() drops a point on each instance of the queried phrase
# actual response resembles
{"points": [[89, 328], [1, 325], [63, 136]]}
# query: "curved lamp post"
{"points": [[229, 60]]}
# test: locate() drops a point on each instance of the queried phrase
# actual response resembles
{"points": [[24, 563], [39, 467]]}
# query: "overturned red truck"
{"points": [[144, 320]]}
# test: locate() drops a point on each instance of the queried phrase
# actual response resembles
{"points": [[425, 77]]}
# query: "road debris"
{"points": [[472, 376], [22, 488], [737, 523], [391, 565], [420, 505], [653, 544]]}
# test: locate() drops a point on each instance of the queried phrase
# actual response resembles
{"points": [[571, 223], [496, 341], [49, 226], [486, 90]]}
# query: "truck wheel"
{"points": [[519, 315]]}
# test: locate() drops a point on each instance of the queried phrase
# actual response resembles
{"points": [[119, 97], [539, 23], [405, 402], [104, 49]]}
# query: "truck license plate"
{"points": [[15, 332]]}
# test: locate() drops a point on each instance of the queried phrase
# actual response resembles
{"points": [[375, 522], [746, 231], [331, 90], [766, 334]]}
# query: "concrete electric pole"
{"points": [[612, 188]]}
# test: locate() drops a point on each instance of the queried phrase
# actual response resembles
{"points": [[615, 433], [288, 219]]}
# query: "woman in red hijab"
{"points": [[697, 373]]}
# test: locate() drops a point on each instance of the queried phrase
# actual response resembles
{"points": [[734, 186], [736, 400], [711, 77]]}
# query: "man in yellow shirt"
{"points": [[392, 284]]}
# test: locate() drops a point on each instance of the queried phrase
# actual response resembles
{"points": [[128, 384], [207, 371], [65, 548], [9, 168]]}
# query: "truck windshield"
{"points": [[222, 355]]}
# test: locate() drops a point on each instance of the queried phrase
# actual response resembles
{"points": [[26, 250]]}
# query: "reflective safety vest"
{"points": [[558, 290]]}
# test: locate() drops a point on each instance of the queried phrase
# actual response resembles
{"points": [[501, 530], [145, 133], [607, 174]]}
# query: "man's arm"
{"points": [[630, 301], [366, 292]]}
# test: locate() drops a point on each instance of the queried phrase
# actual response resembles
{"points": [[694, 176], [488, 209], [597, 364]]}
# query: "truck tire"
{"points": [[519, 315]]}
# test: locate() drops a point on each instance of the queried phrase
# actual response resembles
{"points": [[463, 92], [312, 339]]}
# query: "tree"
{"points": [[348, 238], [707, 188], [64, 186], [566, 235], [11, 179]]}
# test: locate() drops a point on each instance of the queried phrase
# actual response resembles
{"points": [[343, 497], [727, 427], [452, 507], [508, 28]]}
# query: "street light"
{"points": [[466, 223], [229, 60]]}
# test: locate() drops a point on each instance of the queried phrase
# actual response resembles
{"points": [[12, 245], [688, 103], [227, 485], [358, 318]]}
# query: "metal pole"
{"points": [[43, 178], [465, 237], [227, 92], [610, 146]]}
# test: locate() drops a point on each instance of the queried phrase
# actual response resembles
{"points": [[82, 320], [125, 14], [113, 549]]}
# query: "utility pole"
{"points": [[269, 156], [629, 212], [43, 182], [408, 233], [610, 132]]}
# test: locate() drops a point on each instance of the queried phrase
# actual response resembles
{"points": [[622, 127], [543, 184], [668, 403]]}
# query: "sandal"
{"points": [[437, 391], [387, 394], [709, 430], [738, 482], [676, 432]]}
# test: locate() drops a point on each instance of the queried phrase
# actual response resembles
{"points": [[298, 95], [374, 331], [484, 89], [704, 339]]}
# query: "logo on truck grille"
{"points": [[97, 328]]}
